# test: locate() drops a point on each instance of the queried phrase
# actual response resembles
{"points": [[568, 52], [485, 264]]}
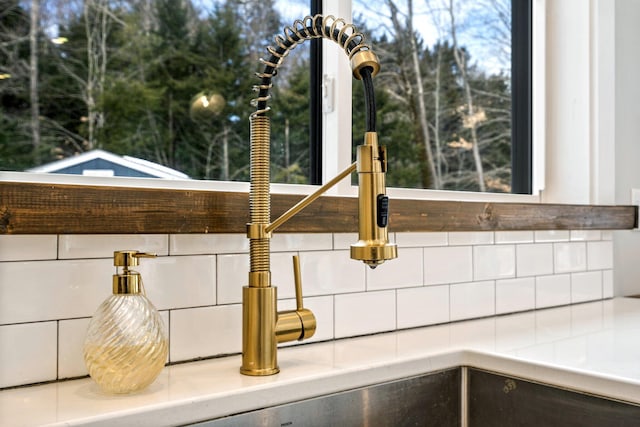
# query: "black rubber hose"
{"points": [[369, 99]]}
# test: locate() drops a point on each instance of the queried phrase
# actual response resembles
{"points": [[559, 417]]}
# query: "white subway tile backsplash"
{"points": [[474, 299], [422, 239], [344, 240], [586, 286], [553, 291], [534, 259], [423, 306], [102, 246], [204, 244], [28, 247], [36, 291], [301, 242], [583, 235], [205, 331], [364, 313], [447, 265], [71, 335], [462, 238], [551, 235], [233, 274], [28, 353], [494, 262], [331, 272], [515, 295], [503, 237], [180, 281], [600, 255], [570, 257], [404, 271], [51, 285]]}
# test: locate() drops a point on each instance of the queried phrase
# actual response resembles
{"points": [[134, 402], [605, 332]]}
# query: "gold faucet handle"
{"points": [[298, 282], [298, 324]]}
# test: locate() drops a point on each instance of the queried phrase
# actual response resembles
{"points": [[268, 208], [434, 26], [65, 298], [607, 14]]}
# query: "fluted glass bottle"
{"points": [[126, 344]]}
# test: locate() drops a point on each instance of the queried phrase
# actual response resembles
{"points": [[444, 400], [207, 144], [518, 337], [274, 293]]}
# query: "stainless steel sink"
{"points": [[464, 396], [428, 400]]}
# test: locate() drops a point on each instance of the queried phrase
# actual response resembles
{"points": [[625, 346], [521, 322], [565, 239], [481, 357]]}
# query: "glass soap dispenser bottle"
{"points": [[126, 344]]}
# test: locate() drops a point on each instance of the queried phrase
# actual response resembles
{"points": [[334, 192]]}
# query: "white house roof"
{"points": [[100, 162]]}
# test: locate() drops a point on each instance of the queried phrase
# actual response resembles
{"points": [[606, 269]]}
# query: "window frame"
{"points": [[521, 97], [315, 104]]}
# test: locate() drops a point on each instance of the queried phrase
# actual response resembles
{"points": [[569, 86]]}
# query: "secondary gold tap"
{"points": [[263, 327]]}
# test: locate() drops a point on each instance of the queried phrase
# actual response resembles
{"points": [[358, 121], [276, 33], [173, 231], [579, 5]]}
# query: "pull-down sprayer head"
{"points": [[373, 247]]}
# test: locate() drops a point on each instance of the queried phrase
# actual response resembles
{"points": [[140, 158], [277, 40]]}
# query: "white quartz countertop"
{"points": [[592, 347]]}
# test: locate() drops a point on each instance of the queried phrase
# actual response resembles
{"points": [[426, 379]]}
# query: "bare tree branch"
{"points": [[460, 61]]}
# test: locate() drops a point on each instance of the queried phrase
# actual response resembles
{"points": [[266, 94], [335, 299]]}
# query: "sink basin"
{"points": [[408, 402], [462, 396]]}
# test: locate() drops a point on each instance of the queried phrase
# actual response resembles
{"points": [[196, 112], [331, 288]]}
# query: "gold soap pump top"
{"points": [[128, 281]]}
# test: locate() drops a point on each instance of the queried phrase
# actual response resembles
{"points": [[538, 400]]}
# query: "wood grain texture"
{"points": [[32, 208]]}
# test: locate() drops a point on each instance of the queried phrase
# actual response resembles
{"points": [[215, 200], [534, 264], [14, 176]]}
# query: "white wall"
{"points": [[593, 115], [580, 102], [627, 138]]}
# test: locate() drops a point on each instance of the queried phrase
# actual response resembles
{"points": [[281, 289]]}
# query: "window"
{"points": [[454, 96], [168, 82]]}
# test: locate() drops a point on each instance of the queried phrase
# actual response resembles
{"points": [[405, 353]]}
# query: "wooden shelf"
{"points": [[31, 208]]}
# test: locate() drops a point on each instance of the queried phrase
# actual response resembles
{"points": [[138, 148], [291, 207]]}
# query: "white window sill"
{"points": [[199, 185]]}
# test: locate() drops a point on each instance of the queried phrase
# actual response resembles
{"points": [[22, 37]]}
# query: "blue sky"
{"points": [[432, 20]]}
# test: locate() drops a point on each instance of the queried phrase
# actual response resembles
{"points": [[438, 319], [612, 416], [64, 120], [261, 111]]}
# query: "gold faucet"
{"points": [[263, 327]]}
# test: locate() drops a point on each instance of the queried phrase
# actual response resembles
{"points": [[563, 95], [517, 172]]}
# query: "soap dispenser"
{"points": [[126, 344]]}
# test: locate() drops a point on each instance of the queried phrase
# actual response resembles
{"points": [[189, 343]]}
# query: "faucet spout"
{"points": [[373, 247], [263, 326]]}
